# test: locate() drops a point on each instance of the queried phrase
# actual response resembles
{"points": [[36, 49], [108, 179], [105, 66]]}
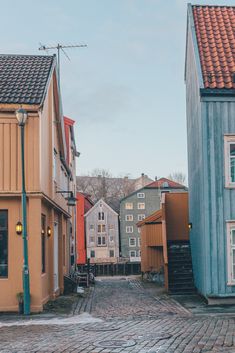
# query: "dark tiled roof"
{"points": [[215, 31], [24, 78]]}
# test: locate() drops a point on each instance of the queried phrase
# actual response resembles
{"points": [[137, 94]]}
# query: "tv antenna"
{"points": [[59, 47]]}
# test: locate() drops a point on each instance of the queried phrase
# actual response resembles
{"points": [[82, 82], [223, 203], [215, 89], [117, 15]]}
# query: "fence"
{"points": [[119, 269]]}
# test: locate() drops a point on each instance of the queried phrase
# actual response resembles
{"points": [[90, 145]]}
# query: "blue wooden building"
{"points": [[210, 97]]}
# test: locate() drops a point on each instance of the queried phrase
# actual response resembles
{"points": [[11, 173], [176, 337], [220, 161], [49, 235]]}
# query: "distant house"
{"points": [[135, 207], [210, 96], [84, 204], [30, 82], [102, 233], [165, 249]]}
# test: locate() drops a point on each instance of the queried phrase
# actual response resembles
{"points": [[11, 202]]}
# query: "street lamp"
{"points": [[21, 116]]}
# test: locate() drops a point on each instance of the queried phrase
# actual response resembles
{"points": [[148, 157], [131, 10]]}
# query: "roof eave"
{"points": [[223, 92]]}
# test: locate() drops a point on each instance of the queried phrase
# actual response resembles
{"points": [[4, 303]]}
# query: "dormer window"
{"points": [[165, 184]]}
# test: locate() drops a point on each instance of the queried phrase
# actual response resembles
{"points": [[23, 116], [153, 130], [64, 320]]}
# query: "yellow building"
{"points": [[30, 82]]}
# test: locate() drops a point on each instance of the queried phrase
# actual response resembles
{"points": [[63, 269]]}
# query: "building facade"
{"points": [[84, 204], [102, 233], [135, 208], [210, 97], [30, 82]]}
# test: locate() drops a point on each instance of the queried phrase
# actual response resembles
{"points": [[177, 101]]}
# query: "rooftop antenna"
{"points": [[60, 47]]}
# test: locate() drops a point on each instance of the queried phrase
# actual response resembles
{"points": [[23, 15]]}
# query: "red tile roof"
{"points": [[215, 31], [159, 184]]}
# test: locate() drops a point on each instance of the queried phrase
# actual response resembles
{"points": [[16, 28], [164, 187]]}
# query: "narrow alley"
{"points": [[121, 314]]}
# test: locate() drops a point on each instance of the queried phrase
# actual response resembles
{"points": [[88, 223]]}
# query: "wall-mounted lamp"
{"points": [[71, 199], [190, 226], [19, 228], [48, 231]]}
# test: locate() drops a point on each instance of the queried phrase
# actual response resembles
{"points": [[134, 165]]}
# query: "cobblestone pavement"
{"points": [[135, 318]]}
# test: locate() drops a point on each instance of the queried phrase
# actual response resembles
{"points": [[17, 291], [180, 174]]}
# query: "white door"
{"points": [[56, 256]]}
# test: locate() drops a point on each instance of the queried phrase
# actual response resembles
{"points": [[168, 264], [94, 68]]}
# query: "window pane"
{"points": [[232, 169], [3, 244], [233, 236]]}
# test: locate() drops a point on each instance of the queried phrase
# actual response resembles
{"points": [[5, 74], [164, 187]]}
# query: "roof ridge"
{"points": [[29, 55], [204, 5]]}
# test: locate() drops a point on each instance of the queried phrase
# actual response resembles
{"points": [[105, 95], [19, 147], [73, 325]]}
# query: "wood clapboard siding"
{"points": [[151, 255], [10, 155], [153, 234]]}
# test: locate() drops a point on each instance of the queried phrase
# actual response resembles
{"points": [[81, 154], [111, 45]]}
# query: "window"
{"points": [[101, 228], [139, 230], [43, 242], [129, 206], [111, 253], [54, 164], [139, 253], [229, 148], [141, 195], [3, 243], [92, 239], [139, 241], [141, 217], [231, 252], [101, 240], [129, 229], [132, 253], [101, 216], [165, 184], [141, 205], [92, 253], [91, 226], [132, 241], [111, 227], [129, 217], [111, 238]]}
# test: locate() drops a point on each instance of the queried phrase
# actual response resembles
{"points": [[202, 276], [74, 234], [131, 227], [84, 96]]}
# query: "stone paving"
{"points": [[133, 318]]}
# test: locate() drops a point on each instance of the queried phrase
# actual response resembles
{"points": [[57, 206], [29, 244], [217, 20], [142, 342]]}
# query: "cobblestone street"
{"points": [[130, 317]]}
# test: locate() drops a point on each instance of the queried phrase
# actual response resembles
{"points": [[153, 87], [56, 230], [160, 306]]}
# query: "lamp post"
{"points": [[21, 116]]}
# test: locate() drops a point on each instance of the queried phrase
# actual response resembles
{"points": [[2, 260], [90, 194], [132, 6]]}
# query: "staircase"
{"points": [[180, 273]]}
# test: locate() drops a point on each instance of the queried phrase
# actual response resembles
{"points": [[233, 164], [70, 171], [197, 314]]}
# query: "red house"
{"points": [[84, 203]]}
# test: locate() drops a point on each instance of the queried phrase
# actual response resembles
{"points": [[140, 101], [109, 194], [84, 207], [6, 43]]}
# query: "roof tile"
{"points": [[215, 31]]}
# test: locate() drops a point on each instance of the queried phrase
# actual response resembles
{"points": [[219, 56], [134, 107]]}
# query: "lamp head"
{"points": [[19, 228], [21, 116]]}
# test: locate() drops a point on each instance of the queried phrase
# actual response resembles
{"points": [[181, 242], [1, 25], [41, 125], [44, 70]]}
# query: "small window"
{"points": [[111, 227], [132, 241], [43, 242], [129, 229], [129, 206], [111, 238], [103, 240], [3, 243], [111, 253], [132, 253], [141, 206], [92, 253], [141, 217], [139, 230], [165, 184], [141, 195], [91, 226], [101, 228], [101, 216], [129, 217], [139, 242], [92, 239], [99, 240], [229, 148]]}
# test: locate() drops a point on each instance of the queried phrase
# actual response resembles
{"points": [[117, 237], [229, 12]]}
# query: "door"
{"points": [[56, 257]]}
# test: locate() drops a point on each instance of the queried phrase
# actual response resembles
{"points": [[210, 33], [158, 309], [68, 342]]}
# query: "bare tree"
{"points": [[100, 183], [179, 177]]}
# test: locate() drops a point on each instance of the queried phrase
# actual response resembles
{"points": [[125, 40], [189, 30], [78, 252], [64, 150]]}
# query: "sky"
{"points": [[125, 90]]}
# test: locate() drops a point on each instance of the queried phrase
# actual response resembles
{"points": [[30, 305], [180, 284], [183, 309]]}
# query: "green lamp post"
{"points": [[21, 116]]}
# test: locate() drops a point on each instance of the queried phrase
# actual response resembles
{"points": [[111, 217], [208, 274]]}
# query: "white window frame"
{"points": [[230, 248], [129, 216], [92, 236], [139, 230], [140, 207], [228, 140], [141, 195], [132, 245], [141, 217], [129, 229], [132, 251], [139, 242], [129, 205]]}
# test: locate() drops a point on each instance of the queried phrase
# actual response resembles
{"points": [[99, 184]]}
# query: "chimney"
{"points": [[155, 178], [142, 174]]}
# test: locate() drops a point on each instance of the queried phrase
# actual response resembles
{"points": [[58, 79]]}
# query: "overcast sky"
{"points": [[126, 89]]}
